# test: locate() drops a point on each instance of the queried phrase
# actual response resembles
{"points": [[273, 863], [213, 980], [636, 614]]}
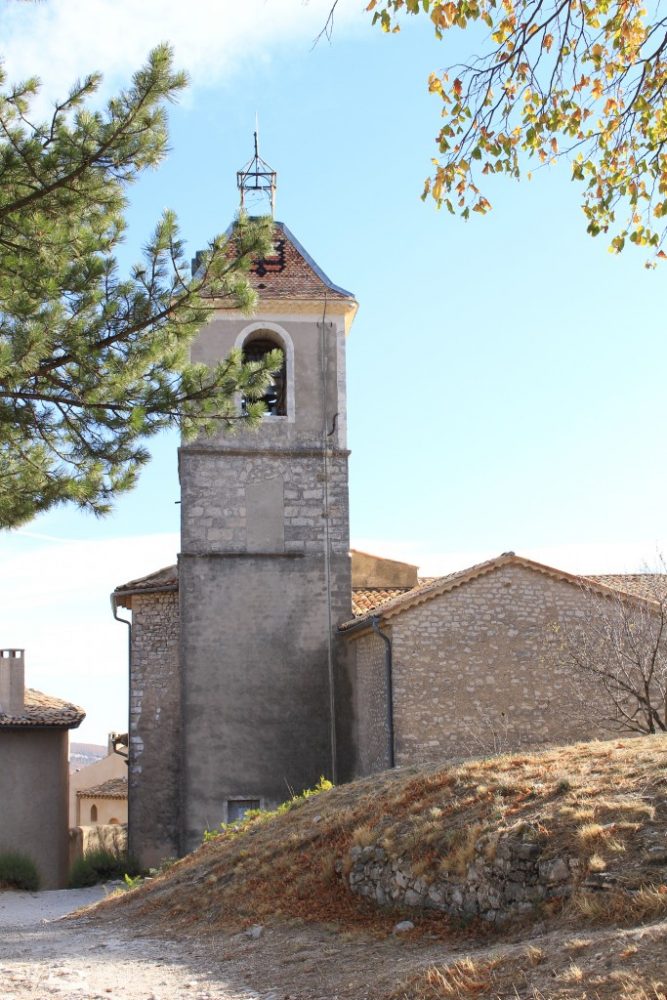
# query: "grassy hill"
{"points": [[597, 811]]}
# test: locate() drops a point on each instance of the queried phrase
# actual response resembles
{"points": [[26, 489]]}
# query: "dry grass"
{"points": [[464, 978], [614, 966], [621, 907], [604, 803]]}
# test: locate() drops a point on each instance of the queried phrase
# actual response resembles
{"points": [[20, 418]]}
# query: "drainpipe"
{"points": [[128, 622]]}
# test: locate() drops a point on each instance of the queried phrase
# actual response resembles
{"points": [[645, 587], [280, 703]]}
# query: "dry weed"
{"points": [[619, 906], [592, 831], [572, 974], [462, 850], [462, 979], [534, 954], [364, 836], [577, 944]]}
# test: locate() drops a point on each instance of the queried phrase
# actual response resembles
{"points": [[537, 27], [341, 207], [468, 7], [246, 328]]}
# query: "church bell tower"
{"points": [[264, 572]]}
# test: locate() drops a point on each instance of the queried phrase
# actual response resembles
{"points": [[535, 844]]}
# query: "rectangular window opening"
{"points": [[237, 808]]}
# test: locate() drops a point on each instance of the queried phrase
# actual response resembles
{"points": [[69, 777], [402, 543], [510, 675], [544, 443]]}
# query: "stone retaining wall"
{"points": [[503, 879]]}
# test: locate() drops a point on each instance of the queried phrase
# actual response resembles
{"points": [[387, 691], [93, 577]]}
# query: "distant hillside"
{"points": [[83, 754], [564, 852]]}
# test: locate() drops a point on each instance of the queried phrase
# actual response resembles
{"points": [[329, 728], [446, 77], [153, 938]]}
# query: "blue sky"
{"points": [[505, 375]]}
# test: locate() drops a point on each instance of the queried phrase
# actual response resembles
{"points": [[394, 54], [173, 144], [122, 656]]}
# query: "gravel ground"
{"points": [[44, 956]]}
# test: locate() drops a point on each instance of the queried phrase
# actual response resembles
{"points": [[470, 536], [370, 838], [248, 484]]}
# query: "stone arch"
{"points": [[279, 337]]}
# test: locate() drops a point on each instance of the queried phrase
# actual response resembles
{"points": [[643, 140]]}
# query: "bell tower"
{"points": [[264, 572]]}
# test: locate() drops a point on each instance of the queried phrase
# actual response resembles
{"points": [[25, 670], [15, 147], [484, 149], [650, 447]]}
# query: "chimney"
{"points": [[12, 682]]}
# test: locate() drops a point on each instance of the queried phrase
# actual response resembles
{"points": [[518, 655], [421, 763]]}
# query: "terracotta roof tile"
{"points": [[289, 272], [372, 597], [641, 585], [164, 579], [650, 586], [114, 788], [42, 710]]}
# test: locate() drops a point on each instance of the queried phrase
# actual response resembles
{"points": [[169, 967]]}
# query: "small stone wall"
{"points": [[504, 879]]}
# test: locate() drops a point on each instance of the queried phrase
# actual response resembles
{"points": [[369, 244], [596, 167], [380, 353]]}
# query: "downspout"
{"points": [[375, 623], [128, 622]]}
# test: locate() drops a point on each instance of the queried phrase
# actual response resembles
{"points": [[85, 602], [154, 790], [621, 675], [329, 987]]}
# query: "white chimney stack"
{"points": [[12, 682]]}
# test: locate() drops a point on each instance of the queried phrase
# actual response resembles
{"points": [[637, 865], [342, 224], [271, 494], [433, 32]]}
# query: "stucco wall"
{"points": [[109, 811], [481, 669], [154, 728], [33, 799]]}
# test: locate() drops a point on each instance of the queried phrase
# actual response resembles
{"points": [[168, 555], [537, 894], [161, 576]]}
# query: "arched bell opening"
{"points": [[255, 348]]}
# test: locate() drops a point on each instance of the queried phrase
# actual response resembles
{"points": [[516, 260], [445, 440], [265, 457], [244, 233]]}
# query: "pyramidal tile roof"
{"points": [[288, 271]]}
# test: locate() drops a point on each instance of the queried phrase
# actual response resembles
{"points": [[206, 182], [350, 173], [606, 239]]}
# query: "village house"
{"points": [[34, 775], [98, 792]]}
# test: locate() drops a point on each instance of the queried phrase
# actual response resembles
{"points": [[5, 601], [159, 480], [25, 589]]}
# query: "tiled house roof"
{"points": [[371, 597], [650, 586], [114, 788], [161, 581], [642, 586], [369, 600], [42, 710]]}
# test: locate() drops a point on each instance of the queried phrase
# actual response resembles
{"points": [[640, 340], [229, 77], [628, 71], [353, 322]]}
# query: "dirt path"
{"points": [[43, 956]]}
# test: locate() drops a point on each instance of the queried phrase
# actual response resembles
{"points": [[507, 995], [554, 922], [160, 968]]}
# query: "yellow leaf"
{"points": [[597, 88], [547, 42], [434, 84]]}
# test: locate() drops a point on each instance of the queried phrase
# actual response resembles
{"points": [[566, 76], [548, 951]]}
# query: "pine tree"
{"points": [[93, 363]]}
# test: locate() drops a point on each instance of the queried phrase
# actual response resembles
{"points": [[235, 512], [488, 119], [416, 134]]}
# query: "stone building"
{"points": [[234, 664], [480, 661], [266, 657], [34, 773]]}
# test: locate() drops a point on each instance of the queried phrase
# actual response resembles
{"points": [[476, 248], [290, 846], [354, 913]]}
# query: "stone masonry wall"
{"points": [[505, 878], [484, 669], [214, 499], [154, 728], [370, 706]]}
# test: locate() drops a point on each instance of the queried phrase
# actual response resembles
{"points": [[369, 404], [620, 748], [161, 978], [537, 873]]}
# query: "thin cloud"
{"points": [[212, 39]]}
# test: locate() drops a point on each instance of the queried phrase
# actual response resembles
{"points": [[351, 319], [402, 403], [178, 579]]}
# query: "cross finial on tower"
{"points": [[257, 176]]}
